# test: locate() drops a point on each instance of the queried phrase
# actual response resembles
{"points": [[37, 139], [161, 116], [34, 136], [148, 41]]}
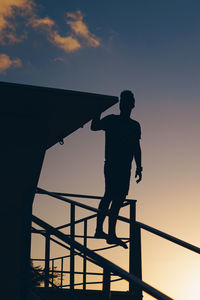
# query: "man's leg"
{"points": [[105, 202], [103, 207], [112, 238], [114, 212]]}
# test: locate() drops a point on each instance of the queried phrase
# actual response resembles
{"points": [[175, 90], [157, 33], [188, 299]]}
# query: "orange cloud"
{"points": [[80, 28], [8, 9], [79, 37], [66, 43], [58, 59], [6, 62], [69, 43], [42, 23]]}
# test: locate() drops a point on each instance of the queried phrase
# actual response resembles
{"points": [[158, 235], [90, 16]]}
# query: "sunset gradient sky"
{"points": [[152, 48]]}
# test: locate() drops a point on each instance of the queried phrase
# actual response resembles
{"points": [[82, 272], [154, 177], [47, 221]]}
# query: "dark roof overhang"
{"points": [[62, 111]]}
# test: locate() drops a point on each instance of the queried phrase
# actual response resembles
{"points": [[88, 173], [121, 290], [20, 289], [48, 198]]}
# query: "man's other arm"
{"points": [[138, 159]]}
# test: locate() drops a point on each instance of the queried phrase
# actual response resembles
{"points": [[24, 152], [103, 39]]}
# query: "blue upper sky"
{"points": [[147, 44]]}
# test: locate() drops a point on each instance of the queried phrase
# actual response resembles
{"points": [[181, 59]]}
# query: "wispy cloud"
{"points": [[75, 20], [8, 10], [58, 59], [79, 37], [43, 23], [67, 43], [6, 62]]}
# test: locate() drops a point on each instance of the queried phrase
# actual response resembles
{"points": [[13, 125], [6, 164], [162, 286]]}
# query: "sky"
{"points": [[151, 48]]}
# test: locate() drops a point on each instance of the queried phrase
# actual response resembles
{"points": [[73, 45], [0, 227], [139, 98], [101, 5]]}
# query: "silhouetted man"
{"points": [[121, 146]]}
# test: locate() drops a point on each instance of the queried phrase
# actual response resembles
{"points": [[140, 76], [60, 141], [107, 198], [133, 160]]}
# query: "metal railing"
{"points": [[132, 217], [107, 266], [134, 240], [134, 237]]}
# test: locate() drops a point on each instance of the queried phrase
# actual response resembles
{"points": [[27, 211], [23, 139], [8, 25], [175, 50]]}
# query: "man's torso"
{"points": [[122, 135]]}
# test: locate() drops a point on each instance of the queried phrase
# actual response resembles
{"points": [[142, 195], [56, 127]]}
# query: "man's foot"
{"points": [[115, 240], [100, 235]]}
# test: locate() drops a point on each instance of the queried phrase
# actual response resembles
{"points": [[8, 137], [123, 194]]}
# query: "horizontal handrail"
{"points": [[67, 200], [92, 237], [124, 219], [88, 237], [86, 218], [88, 273], [41, 191], [104, 263], [92, 282], [80, 273], [169, 237], [87, 207]]}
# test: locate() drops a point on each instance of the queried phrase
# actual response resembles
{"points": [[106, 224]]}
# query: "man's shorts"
{"points": [[117, 179]]}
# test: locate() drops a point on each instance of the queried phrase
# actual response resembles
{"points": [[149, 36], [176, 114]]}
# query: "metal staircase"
{"points": [[110, 272]]}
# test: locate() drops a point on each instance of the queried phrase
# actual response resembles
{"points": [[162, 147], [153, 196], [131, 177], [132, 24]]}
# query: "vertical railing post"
{"points": [[61, 275], [84, 256], [72, 233], [52, 272], [47, 258], [106, 284], [135, 260]]}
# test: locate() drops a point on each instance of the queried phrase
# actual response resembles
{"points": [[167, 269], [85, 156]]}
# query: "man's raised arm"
{"points": [[96, 123]]}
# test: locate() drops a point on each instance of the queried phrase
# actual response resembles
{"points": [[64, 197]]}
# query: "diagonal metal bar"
{"points": [[169, 237]]}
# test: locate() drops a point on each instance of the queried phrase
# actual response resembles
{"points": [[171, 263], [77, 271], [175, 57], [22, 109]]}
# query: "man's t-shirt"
{"points": [[122, 136]]}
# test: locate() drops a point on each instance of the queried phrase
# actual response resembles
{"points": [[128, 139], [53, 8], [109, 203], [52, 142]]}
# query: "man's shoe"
{"points": [[100, 235], [115, 240]]}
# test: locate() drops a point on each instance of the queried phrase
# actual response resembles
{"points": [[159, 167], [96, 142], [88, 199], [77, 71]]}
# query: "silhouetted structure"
{"points": [[32, 120], [30, 124], [122, 145]]}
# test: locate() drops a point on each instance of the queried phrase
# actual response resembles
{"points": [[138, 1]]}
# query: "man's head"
{"points": [[127, 102]]}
